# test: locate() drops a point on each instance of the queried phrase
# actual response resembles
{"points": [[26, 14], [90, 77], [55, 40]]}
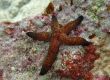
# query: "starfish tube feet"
{"points": [[51, 57], [41, 36]]}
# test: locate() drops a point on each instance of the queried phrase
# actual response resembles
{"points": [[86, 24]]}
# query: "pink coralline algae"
{"points": [[15, 29], [101, 78], [1, 74], [15, 46], [78, 66]]}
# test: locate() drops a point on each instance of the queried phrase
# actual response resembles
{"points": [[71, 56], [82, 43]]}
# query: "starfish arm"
{"points": [[51, 57], [73, 40], [54, 24], [41, 36], [71, 25]]}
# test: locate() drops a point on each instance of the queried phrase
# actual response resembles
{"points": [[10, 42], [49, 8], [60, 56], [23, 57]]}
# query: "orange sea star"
{"points": [[57, 37]]}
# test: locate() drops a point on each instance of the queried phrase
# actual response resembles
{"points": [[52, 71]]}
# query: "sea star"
{"points": [[57, 37]]}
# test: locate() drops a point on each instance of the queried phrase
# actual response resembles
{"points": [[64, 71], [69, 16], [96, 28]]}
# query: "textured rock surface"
{"points": [[21, 57], [16, 10]]}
